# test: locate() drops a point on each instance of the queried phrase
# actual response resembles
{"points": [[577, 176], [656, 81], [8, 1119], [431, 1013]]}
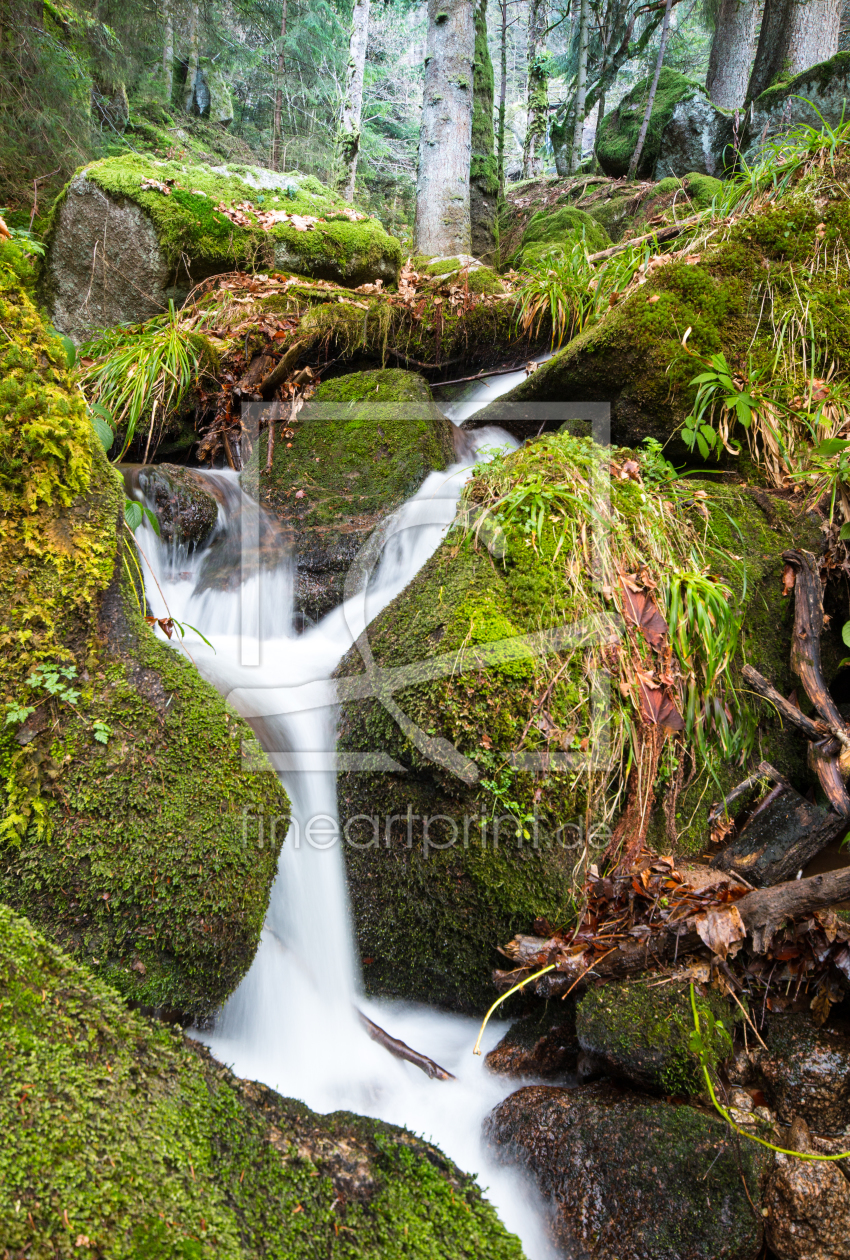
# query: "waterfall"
{"points": [[292, 1022]]}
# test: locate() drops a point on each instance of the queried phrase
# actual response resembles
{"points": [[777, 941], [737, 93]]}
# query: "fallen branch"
{"points": [[662, 234], [402, 1051]]}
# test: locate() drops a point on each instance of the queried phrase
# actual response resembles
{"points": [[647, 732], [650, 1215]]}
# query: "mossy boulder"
{"points": [[698, 136], [126, 832], [363, 445], [643, 1034], [617, 134], [447, 858], [816, 96], [122, 1139], [633, 358], [559, 230], [625, 1178], [161, 226]]}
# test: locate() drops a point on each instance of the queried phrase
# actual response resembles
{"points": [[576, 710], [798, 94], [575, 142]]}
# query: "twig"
{"points": [[402, 1051], [479, 376]]}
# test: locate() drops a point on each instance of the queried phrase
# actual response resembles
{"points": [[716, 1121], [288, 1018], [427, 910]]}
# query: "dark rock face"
{"points": [[539, 1045], [807, 1204], [627, 1178], [186, 511], [806, 1070]]}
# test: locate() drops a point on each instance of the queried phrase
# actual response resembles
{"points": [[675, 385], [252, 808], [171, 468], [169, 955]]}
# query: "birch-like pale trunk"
{"points": [[348, 136], [537, 90], [503, 92], [168, 55], [732, 53], [581, 85], [278, 94], [794, 35], [445, 138], [192, 71], [665, 34]]}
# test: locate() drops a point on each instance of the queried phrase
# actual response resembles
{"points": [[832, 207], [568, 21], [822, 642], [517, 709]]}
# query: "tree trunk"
{"points": [[168, 55], [445, 138], [483, 172], [192, 71], [600, 114], [581, 86], [795, 34], [731, 52], [278, 94], [665, 32], [503, 92], [538, 94], [348, 136]]}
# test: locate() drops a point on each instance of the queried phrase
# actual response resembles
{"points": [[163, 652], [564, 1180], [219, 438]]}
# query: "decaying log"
{"points": [[402, 1051], [281, 369], [258, 370], [762, 912], [660, 234], [780, 839]]}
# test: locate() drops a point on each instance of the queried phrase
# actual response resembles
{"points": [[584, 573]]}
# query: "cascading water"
{"points": [[292, 1023]]}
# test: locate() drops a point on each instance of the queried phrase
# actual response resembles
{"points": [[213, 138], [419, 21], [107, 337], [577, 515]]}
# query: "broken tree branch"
{"points": [[402, 1051]]}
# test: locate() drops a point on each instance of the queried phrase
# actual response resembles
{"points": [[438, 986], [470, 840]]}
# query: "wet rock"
{"points": [[628, 1178], [641, 1032], [186, 511], [541, 1045], [807, 1205], [806, 1071]]}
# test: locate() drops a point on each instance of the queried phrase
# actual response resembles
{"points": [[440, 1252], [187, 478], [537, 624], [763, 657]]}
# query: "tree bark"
{"points": [[445, 138], [731, 52], [665, 33], [278, 94], [483, 171], [348, 136], [503, 93], [794, 35], [581, 86], [537, 92], [192, 71], [168, 55]]}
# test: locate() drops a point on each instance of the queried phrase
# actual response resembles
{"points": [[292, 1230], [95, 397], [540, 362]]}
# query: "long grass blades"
{"points": [[143, 368]]}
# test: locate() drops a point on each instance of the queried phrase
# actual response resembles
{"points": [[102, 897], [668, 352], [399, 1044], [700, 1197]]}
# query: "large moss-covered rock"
{"points": [[816, 96], [364, 444], [697, 137], [559, 230], [126, 832], [123, 1140], [159, 227], [643, 1034], [448, 857], [617, 135], [634, 358], [629, 1179]]}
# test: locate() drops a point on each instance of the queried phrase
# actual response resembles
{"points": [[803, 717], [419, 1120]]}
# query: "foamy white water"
{"points": [[292, 1022]]}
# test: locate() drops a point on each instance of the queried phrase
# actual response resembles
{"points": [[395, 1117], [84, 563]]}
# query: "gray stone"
{"points": [[820, 93], [218, 102], [186, 511], [806, 1072], [807, 1205], [695, 140]]}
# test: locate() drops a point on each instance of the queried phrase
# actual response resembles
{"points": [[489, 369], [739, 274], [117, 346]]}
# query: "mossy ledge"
{"points": [[124, 1140], [138, 854]]}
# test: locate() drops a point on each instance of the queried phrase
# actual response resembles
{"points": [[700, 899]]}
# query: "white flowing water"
{"points": [[292, 1022]]}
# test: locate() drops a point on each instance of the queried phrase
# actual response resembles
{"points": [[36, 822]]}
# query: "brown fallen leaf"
{"points": [[721, 929], [641, 611]]}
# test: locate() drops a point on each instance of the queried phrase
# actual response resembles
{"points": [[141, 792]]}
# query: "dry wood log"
{"points": [[772, 906], [402, 1051]]}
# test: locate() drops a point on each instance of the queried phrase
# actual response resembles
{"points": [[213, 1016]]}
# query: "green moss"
{"points": [[819, 77], [618, 132], [429, 914], [122, 1133], [136, 853], [560, 228], [484, 280], [361, 455], [188, 223], [643, 1033]]}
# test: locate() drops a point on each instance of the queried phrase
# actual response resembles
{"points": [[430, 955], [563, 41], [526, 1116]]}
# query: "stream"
{"points": [[292, 1022]]}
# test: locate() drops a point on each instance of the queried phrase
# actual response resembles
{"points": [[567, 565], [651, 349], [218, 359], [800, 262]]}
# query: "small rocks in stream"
{"points": [[807, 1204], [806, 1072], [538, 1046], [627, 1177]]}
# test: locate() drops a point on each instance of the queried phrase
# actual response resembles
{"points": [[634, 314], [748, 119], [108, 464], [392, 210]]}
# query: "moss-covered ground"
{"points": [[188, 222], [558, 230], [428, 914], [126, 830], [122, 1140]]}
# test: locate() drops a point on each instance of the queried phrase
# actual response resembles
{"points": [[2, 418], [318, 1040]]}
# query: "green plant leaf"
{"points": [[70, 349], [105, 435], [133, 514], [845, 634]]}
